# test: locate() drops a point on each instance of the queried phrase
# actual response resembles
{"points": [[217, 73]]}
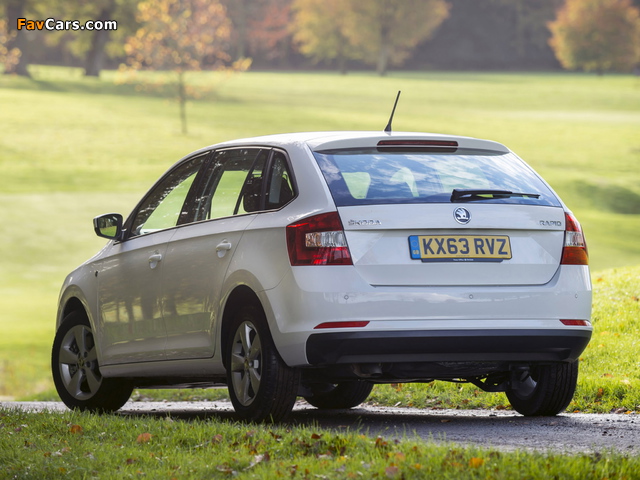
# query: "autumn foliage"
{"points": [[181, 36], [597, 35], [379, 32]]}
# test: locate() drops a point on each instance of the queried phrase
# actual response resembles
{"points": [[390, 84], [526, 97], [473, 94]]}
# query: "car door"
{"points": [[198, 255], [130, 274]]}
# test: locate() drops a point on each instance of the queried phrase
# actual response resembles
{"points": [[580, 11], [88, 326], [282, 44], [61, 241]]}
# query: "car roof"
{"points": [[358, 139]]}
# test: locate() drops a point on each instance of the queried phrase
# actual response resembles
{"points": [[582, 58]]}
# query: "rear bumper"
{"points": [[425, 322], [533, 345]]}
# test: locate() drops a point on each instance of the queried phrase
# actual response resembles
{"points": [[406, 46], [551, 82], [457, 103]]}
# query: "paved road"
{"points": [[505, 430]]}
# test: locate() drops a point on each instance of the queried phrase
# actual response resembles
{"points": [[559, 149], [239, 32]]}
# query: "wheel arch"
{"points": [[240, 296], [73, 301]]}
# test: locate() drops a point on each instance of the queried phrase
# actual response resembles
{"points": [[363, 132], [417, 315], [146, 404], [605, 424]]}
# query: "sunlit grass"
{"points": [[76, 445]]}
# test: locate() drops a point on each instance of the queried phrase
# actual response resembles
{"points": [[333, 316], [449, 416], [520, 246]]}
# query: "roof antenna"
{"points": [[388, 127]]}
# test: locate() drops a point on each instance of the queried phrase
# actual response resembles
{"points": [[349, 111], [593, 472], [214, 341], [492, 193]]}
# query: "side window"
{"points": [[234, 184], [165, 206], [280, 189]]}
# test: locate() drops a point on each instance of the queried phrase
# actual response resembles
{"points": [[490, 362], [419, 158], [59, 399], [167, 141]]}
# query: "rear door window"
{"points": [[234, 184]]}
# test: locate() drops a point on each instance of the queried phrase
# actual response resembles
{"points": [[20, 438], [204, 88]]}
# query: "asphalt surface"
{"points": [[500, 429]]}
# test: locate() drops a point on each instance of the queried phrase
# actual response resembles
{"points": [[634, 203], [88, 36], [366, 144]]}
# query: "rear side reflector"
{"points": [[575, 247], [341, 325], [318, 240], [576, 323], [417, 143]]}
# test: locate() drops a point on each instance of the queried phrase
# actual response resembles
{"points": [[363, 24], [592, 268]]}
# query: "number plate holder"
{"points": [[460, 248]]}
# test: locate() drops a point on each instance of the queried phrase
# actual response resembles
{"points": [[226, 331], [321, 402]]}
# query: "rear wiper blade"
{"points": [[464, 195]]}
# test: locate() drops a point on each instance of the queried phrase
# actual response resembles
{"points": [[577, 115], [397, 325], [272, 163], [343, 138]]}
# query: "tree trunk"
{"points": [[15, 10], [383, 60], [342, 59], [95, 56], [342, 65], [182, 99], [385, 49]]}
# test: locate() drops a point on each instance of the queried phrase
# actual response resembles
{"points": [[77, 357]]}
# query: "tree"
{"points": [[597, 35], [240, 14], [270, 34], [529, 19], [14, 52], [106, 10], [319, 27], [181, 36], [261, 30], [387, 30], [94, 46]]}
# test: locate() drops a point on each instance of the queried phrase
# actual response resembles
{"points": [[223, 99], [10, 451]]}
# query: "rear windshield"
{"points": [[372, 176]]}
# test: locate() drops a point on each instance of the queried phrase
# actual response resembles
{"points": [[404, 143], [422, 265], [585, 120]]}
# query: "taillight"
{"points": [[575, 246], [318, 240]]}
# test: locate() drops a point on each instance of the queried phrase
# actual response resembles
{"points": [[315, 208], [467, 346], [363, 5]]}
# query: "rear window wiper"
{"points": [[464, 195]]}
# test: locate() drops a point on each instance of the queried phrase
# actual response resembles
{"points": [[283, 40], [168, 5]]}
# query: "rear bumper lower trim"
{"points": [[446, 345]]}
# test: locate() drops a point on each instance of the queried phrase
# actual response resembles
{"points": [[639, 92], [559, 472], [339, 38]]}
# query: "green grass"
{"points": [[73, 148], [76, 445]]}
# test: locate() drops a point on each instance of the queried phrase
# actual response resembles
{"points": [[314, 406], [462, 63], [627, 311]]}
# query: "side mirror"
{"points": [[108, 225]]}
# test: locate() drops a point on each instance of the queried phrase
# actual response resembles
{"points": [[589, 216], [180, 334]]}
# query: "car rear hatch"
{"points": [[420, 212], [424, 244]]}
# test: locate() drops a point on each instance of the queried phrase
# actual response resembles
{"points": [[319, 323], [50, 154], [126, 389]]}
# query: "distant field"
{"points": [[72, 148]]}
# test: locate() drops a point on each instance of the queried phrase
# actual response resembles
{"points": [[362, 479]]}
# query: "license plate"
{"points": [[460, 248]]}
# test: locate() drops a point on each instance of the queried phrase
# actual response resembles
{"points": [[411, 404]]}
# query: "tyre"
{"points": [[76, 373], [340, 395], [261, 386], [546, 390]]}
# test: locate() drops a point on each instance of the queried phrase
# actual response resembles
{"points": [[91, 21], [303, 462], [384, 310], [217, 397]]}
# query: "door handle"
{"points": [[224, 245], [222, 248], [155, 259]]}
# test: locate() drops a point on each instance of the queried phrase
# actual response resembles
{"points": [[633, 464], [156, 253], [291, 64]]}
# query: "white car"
{"points": [[320, 264]]}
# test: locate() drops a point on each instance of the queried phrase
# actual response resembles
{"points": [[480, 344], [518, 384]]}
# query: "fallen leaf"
{"points": [[476, 462], [258, 459], [225, 469], [380, 442], [77, 429], [392, 472], [144, 438]]}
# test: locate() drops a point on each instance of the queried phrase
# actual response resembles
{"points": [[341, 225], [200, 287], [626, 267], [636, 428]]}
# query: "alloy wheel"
{"points": [[246, 363]]}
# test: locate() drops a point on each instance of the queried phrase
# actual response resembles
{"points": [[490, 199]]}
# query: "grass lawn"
{"points": [[77, 445], [73, 148]]}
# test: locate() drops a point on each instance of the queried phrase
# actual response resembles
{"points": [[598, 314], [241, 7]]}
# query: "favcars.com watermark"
{"points": [[52, 24]]}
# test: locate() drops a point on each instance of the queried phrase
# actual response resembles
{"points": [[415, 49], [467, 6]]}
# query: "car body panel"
{"points": [[193, 273], [131, 324]]}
